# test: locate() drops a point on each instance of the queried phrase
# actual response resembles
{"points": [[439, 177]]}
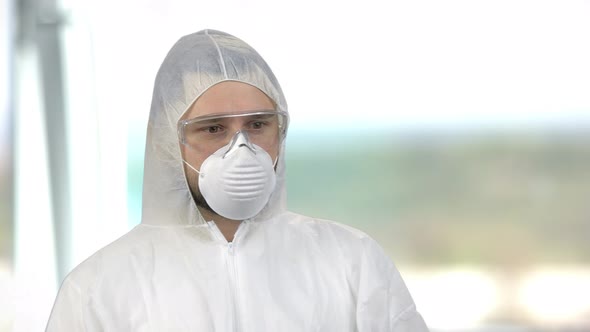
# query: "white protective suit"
{"points": [[175, 272]]}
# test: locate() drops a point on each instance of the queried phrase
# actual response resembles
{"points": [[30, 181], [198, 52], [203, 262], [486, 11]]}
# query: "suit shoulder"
{"points": [[90, 270], [327, 228]]}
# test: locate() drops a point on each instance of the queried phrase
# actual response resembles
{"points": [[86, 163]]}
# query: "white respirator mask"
{"points": [[238, 179]]}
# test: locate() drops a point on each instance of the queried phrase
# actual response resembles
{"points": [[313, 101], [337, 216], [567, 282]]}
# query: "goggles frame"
{"points": [[283, 119]]}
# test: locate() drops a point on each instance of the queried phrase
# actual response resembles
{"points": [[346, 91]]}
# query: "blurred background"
{"points": [[456, 133]]}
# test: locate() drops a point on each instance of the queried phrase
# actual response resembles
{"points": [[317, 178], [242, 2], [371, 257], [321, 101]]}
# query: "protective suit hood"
{"points": [[194, 64]]}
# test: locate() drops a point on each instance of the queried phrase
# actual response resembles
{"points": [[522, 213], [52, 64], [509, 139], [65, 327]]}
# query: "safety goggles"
{"points": [[209, 133]]}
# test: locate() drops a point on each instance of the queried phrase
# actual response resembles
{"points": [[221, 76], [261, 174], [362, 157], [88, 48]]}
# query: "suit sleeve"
{"points": [[384, 303], [66, 314]]}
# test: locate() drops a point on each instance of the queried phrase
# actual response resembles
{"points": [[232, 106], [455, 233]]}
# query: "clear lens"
{"points": [[209, 133]]}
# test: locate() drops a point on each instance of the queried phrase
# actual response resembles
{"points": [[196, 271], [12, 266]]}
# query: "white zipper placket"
{"points": [[230, 262], [233, 284]]}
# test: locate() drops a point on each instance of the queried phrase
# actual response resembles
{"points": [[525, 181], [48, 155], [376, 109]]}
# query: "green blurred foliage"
{"points": [[508, 198]]}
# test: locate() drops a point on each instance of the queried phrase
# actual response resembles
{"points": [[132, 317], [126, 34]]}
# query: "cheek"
{"points": [[192, 178], [192, 157], [273, 152]]}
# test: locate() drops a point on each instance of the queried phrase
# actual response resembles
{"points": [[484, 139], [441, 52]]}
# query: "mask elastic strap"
{"points": [[189, 165]]}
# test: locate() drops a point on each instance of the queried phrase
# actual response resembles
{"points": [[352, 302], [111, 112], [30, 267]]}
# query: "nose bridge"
{"points": [[236, 125], [239, 139]]}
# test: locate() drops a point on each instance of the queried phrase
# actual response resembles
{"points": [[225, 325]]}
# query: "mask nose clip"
{"points": [[239, 140]]}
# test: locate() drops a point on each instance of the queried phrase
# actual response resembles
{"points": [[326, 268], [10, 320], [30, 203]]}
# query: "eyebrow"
{"points": [[208, 121], [260, 116], [222, 118]]}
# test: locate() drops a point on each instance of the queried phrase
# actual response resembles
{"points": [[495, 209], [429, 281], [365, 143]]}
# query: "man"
{"points": [[216, 249]]}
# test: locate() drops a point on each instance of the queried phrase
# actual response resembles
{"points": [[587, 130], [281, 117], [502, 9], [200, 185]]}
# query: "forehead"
{"points": [[229, 97]]}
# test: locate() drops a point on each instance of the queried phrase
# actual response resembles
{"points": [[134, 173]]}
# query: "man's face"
{"points": [[223, 98]]}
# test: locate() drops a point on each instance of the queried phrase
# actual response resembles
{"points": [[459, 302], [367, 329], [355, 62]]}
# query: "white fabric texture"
{"points": [[174, 272]]}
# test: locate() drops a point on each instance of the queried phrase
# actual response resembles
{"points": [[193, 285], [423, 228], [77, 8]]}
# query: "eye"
{"points": [[257, 125], [213, 129]]}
